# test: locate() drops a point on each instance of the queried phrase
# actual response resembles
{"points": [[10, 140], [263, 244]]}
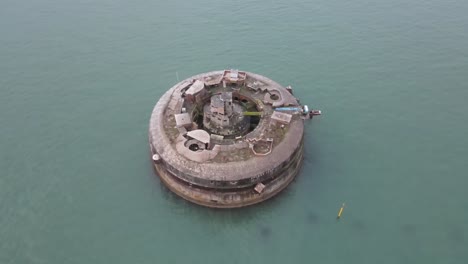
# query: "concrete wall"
{"points": [[276, 171]]}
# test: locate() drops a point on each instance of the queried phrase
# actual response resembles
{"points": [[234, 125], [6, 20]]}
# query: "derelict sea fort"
{"points": [[227, 138]]}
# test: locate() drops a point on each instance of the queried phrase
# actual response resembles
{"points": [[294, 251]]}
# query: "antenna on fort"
{"points": [[177, 76]]}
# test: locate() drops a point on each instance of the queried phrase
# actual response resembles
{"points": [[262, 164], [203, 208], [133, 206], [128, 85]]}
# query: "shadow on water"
{"points": [[312, 218], [408, 229], [265, 232], [310, 155], [456, 236], [256, 216], [359, 226]]}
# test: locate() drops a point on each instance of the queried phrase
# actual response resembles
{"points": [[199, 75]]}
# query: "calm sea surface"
{"points": [[79, 79]]}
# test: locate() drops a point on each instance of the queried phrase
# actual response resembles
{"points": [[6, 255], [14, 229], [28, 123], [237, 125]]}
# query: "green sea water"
{"points": [[79, 79]]}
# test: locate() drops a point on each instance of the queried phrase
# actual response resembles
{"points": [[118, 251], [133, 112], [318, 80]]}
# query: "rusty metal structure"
{"points": [[228, 138]]}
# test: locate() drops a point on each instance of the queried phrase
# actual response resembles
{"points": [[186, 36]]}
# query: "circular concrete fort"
{"points": [[228, 138]]}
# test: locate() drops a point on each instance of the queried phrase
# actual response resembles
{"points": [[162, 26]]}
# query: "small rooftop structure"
{"points": [[234, 76], [259, 187], [226, 97], [217, 137], [196, 87], [282, 118], [196, 92], [200, 135], [217, 104], [183, 120], [213, 80]]}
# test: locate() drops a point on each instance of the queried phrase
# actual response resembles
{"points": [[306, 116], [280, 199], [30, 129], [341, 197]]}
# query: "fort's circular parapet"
{"points": [[227, 138]]}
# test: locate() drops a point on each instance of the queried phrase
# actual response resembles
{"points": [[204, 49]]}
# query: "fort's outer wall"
{"points": [[217, 174], [231, 199]]}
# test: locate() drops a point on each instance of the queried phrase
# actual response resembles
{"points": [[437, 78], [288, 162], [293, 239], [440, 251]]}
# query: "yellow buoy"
{"points": [[340, 211]]}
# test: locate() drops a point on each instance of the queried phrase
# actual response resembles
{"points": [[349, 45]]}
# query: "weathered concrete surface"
{"points": [[229, 199], [203, 176]]}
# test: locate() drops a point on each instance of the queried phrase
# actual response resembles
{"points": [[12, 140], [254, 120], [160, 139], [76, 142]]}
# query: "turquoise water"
{"points": [[78, 81]]}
